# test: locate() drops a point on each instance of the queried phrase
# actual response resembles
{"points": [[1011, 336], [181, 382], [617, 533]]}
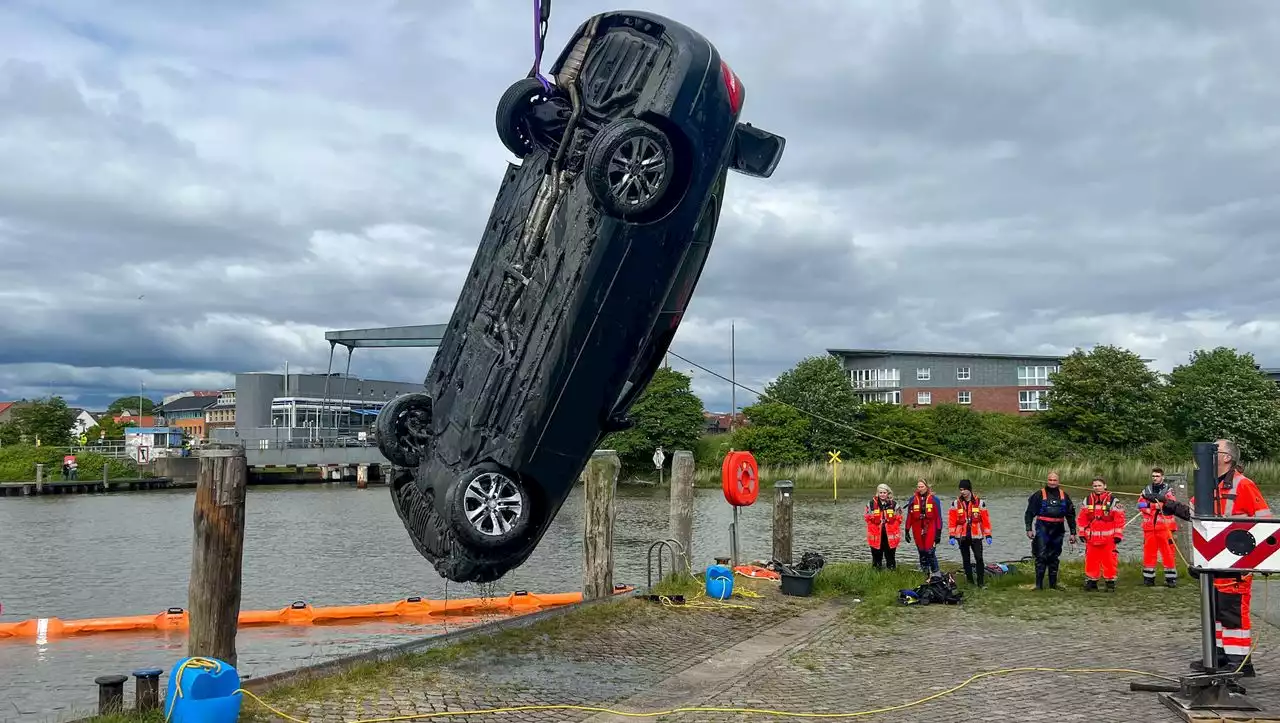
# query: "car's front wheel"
{"points": [[630, 166], [489, 507], [515, 115], [403, 429]]}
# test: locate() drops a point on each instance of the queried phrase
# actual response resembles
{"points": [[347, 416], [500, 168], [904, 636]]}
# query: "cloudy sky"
{"points": [[190, 189]]}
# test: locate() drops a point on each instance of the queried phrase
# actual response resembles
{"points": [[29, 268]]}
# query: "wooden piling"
{"points": [[782, 500], [362, 476], [597, 539], [217, 550], [39, 478], [681, 528]]}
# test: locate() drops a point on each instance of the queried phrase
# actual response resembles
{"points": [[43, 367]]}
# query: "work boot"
{"points": [[1090, 585], [1149, 581], [1111, 585], [1169, 582]]}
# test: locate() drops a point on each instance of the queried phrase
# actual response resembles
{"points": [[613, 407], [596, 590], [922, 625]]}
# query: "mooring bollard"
{"points": [[146, 689], [110, 693]]}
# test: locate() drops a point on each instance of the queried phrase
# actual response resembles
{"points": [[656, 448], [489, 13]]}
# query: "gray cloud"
{"points": [[1013, 177]]}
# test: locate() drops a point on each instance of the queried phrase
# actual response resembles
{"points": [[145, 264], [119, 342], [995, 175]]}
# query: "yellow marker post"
{"points": [[833, 459]]}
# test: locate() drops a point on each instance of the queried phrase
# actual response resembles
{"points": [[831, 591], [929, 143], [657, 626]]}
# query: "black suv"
{"points": [[591, 254]]}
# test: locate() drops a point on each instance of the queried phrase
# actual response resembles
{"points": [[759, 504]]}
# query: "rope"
{"points": [[541, 16], [851, 428]]}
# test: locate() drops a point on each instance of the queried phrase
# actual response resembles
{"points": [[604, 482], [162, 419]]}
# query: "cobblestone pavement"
{"points": [[807, 658]]}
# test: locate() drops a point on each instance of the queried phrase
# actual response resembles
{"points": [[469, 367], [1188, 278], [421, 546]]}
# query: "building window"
{"points": [[923, 374], [1037, 376], [964, 397], [1033, 400], [924, 397], [874, 378], [962, 374], [893, 397]]}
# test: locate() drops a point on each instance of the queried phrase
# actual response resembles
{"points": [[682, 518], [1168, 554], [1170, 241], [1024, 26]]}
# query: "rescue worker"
{"points": [[924, 522], [969, 524], [1158, 528], [1235, 496], [1101, 526], [884, 528], [1050, 511]]}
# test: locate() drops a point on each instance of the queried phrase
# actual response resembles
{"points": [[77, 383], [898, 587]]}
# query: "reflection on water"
{"points": [[127, 554]]}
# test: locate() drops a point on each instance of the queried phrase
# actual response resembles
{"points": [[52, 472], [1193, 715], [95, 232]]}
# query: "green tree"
{"points": [[130, 403], [819, 386], [1107, 397], [776, 435], [893, 433], [108, 428], [50, 420], [1220, 393], [667, 414], [959, 432], [10, 433]]}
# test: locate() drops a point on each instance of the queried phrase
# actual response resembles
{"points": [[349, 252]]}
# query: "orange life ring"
{"points": [[740, 479]]}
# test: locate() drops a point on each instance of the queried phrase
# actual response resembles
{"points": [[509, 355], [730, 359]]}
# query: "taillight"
{"points": [[733, 86]]}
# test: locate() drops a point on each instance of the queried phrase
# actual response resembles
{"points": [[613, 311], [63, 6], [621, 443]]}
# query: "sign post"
{"points": [[658, 458], [834, 461]]}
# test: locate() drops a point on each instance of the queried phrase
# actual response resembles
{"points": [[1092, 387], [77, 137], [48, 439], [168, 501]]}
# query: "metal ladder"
{"points": [[673, 548]]}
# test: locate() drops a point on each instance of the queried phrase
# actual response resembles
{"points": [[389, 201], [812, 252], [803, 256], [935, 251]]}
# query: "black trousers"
{"points": [[1047, 547], [884, 554], [972, 546]]}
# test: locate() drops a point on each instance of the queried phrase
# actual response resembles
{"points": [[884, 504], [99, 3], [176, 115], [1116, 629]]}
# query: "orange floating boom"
{"points": [[301, 613]]}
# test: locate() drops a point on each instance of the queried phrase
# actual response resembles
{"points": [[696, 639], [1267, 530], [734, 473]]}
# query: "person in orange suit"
{"points": [[1158, 528], [884, 528], [924, 522], [1235, 496], [1101, 526], [968, 525]]}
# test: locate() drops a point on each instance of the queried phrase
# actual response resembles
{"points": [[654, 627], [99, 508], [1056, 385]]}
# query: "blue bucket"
{"points": [[203, 690], [719, 582]]}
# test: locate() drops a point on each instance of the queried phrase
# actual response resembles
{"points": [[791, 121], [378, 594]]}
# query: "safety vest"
{"points": [[1153, 515], [886, 518], [1052, 510], [1100, 520], [925, 520], [969, 519]]}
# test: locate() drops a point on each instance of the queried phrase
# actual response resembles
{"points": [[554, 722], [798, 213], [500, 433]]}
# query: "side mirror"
{"points": [[756, 152]]}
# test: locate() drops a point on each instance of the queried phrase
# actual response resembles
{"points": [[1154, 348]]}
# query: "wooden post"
{"points": [[217, 549], [106, 475], [782, 520], [597, 538], [682, 508], [39, 478], [362, 476]]}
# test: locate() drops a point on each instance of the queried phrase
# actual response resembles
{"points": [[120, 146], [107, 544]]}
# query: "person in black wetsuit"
{"points": [[1050, 513]]}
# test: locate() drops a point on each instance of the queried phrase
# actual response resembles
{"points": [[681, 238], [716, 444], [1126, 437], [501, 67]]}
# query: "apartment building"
{"points": [[1010, 383]]}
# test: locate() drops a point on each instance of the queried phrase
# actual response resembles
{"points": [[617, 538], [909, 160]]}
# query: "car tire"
{"points": [[513, 112], [403, 428], [630, 165], [489, 507]]}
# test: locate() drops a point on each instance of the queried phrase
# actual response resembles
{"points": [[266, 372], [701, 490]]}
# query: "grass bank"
{"points": [[18, 464], [1131, 475], [1011, 595]]}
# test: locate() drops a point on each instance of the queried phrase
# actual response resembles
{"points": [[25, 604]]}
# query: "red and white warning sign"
{"points": [[1235, 545]]}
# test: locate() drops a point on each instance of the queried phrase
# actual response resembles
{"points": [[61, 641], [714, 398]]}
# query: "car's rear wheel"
{"points": [[403, 429], [630, 166], [515, 111], [489, 507]]}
